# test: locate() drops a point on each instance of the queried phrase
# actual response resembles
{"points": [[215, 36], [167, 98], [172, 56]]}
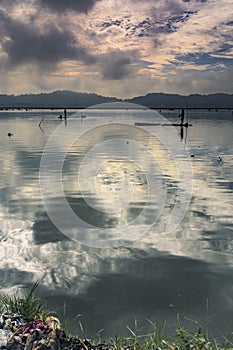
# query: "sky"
{"points": [[121, 48]]}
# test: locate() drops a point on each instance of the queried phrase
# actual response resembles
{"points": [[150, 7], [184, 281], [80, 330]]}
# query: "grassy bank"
{"points": [[32, 308]]}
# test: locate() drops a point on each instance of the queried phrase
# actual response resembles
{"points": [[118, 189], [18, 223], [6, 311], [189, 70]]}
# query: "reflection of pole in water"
{"points": [[82, 117], [187, 112], [181, 133], [183, 124]]}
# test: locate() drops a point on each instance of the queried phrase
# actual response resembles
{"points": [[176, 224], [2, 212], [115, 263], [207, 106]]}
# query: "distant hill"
{"points": [[71, 99], [56, 99], [160, 100]]}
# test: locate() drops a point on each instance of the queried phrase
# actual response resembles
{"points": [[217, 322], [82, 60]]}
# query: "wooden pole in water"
{"points": [[187, 113], [182, 116]]}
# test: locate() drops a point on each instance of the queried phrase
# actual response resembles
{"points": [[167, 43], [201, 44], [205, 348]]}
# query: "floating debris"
{"points": [[217, 161], [41, 122], [40, 125], [11, 321], [17, 334]]}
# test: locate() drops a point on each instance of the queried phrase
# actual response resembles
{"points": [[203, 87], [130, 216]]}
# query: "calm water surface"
{"points": [[157, 276]]}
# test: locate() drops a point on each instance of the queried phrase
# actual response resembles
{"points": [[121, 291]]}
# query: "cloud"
{"points": [[136, 45], [200, 59], [62, 6], [195, 0], [186, 81], [117, 65], [229, 23], [161, 9], [8, 3], [224, 48], [157, 42], [110, 23], [163, 18], [24, 43]]}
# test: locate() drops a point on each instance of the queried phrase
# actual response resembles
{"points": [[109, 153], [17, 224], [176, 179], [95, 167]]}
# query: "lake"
{"points": [[119, 222]]}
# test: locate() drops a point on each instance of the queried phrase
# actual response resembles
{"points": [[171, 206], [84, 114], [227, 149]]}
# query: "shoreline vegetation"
{"points": [[26, 324]]}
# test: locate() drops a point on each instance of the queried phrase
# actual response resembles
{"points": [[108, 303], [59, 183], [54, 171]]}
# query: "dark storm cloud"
{"points": [[62, 6], [117, 65], [24, 43]]}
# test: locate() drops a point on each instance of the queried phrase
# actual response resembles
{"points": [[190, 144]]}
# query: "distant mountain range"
{"points": [[71, 99]]}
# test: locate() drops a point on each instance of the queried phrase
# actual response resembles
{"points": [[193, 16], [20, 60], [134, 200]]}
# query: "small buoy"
{"points": [[192, 155], [9, 134]]}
